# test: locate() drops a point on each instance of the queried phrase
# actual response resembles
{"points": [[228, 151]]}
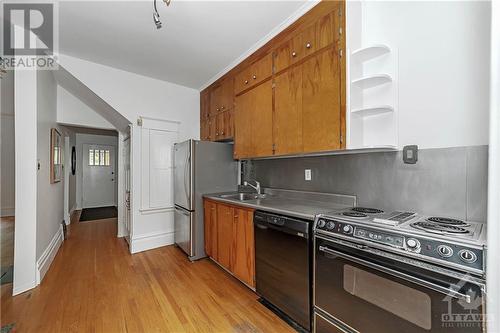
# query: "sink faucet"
{"points": [[256, 187]]}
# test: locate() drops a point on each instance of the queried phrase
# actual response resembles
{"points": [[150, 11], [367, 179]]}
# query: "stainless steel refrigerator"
{"points": [[200, 167]]}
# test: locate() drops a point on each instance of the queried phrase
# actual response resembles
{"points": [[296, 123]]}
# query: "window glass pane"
{"points": [[91, 156], [106, 158], [96, 157], [101, 158]]}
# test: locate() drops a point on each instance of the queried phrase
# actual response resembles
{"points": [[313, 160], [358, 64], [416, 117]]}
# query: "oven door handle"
{"points": [[412, 279]]}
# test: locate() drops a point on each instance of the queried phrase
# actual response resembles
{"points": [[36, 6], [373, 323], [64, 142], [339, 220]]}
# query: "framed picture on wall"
{"points": [[55, 156]]}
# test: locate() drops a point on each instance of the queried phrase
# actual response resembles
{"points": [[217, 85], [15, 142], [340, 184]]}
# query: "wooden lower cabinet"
{"points": [[224, 235], [210, 218], [229, 239]]}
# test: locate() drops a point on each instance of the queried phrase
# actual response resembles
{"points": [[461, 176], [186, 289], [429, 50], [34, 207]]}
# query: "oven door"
{"points": [[368, 292]]}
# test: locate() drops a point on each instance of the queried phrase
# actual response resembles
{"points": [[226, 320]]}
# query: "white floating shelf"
{"points": [[370, 52], [372, 81], [371, 111]]}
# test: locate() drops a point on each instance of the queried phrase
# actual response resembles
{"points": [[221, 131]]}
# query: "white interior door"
{"points": [[99, 176]]}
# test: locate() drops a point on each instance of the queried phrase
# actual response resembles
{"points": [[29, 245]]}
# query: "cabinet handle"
{"points": [[254, 77], [294, 54], [308, 45], [246, 81], [222, 133]]}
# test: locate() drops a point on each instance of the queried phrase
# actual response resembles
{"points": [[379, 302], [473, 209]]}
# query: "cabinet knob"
{"points": [[254, 77], [246, 81], [222, 108], [222, 133], [308, 45], [294, 54], [218, 109]]}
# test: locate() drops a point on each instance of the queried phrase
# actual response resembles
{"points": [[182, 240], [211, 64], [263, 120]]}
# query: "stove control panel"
{"points": [[422, 247], [379, 237]]}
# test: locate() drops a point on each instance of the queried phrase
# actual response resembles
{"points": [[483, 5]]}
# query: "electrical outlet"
{"points": [[307, 174], [410, 154]]}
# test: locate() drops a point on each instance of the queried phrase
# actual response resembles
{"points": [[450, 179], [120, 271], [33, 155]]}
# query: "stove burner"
{"points": [[367, 210], [447, 221], [439, 228], [354, 214]]}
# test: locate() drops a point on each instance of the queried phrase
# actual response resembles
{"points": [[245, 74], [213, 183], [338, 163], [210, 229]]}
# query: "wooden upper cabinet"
{"points": [[253, 122], [222, 96], [287, 124], [257, 72], [321, 101], [243, 253], [306, 42]]}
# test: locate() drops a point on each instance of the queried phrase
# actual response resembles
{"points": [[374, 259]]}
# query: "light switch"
{"points": [[307, 174]]}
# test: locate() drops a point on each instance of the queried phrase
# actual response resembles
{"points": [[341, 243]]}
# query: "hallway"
{"points": [[95, 285]]}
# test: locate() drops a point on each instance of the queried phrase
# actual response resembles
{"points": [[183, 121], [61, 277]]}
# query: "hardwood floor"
{"points": [[95, 285]]}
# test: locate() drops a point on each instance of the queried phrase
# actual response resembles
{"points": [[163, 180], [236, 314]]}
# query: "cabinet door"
{"points": [[212, 128], [229, 124], [204, 130], [253, 122], [321, 102], [243, 255], [227, 94], [224, 235], [254, 74], [210, 221], [220, 128], [262, 120], [204, 104], [215, 98], [288, 112]]}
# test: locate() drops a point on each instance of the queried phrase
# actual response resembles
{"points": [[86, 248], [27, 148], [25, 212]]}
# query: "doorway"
{"points": [[99, 176]]}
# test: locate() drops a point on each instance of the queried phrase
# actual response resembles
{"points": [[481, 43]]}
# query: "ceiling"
{"points": [[199, 39]]}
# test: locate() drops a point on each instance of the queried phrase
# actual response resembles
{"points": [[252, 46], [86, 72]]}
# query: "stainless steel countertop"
{"points": [[292, 203]]}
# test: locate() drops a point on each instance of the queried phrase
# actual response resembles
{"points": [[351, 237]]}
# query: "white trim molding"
{"points": [[151, 241], [43, 264]]}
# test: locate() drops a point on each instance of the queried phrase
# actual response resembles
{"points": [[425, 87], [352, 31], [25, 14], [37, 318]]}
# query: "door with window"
{"points": [[99, 176]]}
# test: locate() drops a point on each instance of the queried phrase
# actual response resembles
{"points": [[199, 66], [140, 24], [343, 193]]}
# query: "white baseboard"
{"points": [[43, 264], [7, 211], [151, 241], [71, 211], [25, 287]]}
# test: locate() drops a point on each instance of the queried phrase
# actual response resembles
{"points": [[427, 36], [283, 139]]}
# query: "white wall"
{"points": [[72, 111], [82, 139], [134, 96], [50, 197], [7, 167], [443, 77]]}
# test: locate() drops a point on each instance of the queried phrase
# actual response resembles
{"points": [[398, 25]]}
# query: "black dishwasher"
{"points": [[283, 266]]}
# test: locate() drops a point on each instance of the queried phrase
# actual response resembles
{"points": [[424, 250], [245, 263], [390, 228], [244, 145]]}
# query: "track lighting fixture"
{"points": [[156, 15]]}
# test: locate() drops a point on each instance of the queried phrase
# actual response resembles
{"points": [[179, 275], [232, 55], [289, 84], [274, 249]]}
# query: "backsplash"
{"points": [[447, 181]]}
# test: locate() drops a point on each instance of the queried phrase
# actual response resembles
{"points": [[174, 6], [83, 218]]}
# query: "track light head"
{"points": [[156, 19]]}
